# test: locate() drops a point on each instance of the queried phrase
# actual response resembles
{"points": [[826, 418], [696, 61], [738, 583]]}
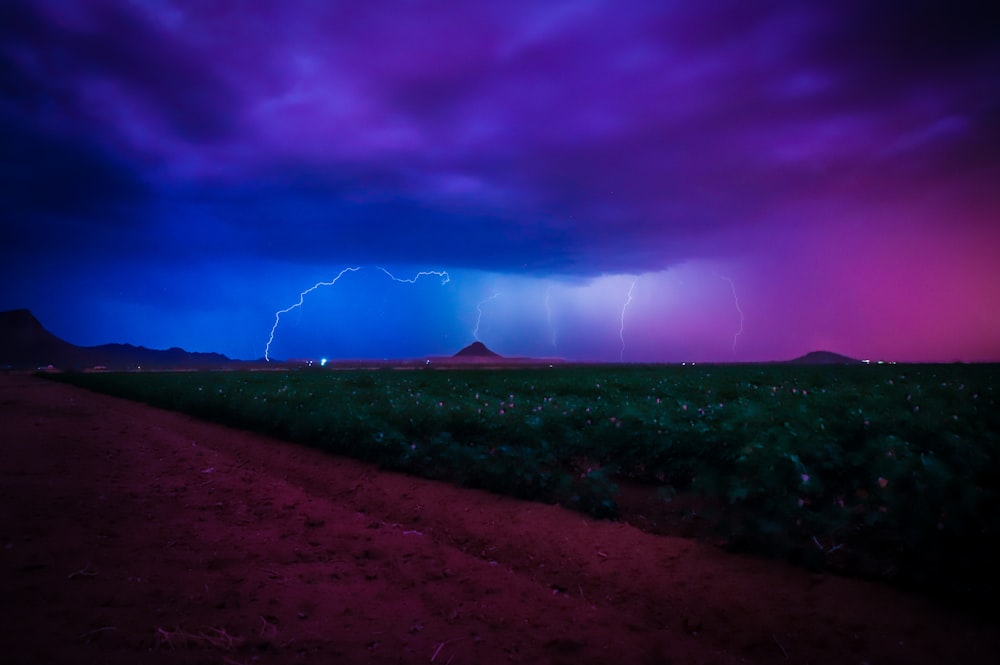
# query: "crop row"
{"points": [[890, 470]]}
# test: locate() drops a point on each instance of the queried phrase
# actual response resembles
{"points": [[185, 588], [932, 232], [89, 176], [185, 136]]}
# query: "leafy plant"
{"points": [[891, 471]]}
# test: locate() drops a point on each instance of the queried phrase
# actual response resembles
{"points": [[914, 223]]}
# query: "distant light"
{"points": [[322, 362], [866, 361]]}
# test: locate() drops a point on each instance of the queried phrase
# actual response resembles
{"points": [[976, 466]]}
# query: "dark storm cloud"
{"points": [[88, 61], [60, 187], [73, 175], [328, 220], [909, 40], [670, 128], [567, 137], [45, 177], [210, 155]]}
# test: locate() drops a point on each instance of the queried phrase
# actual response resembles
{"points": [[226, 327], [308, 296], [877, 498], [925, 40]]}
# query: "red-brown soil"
{"points": [[134, 535]]}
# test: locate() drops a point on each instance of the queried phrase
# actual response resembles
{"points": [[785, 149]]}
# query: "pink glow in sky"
{"points": [[174, 173]]}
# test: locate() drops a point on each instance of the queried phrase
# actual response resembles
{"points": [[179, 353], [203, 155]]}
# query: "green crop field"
{"points": [[889, 470]]}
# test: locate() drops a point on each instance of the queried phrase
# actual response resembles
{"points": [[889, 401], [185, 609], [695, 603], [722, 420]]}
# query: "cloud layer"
{"points": [[550, 141]]}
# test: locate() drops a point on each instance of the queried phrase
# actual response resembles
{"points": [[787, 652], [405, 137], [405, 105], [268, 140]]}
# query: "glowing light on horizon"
{"points": [[621, 330], [737, 301], [445, 278], [479, 318]]}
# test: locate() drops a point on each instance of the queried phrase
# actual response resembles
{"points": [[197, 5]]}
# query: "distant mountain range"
{"points": [[26, 344]]}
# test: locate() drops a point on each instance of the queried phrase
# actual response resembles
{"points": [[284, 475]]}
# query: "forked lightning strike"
{"points": [[548, 315], [479, 318], [302, 297], [621, 330], [737, 301], [443, 274], [445, 278]]}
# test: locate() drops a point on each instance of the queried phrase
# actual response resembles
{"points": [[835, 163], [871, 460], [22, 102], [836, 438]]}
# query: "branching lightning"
{"points": [[479, 318], [737, 301], [443, 274], [445, 278], [621, 330], [548, 315], [302, 297]]}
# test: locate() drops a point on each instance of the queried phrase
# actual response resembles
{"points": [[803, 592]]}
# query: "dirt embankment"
{"points": [[132, 535]]}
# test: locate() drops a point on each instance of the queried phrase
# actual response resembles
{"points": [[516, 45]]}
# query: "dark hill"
{"points": [[26, 344], [476, 350], [823, 358]]}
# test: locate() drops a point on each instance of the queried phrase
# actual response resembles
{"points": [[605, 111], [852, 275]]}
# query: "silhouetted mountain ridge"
{"points": [[26, 344]]}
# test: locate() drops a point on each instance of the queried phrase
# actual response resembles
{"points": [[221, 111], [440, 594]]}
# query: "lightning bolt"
{"points": [[737, 301], [548, 315], [443, 274], [445, 278], [621, 330], [479, 308], [302, 297]]}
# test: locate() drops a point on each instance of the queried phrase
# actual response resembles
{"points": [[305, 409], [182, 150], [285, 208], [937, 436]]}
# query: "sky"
{"points": [[662, 181]]}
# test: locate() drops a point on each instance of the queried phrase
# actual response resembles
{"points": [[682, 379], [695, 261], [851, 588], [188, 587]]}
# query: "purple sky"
{"points": [[767, 178]]}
